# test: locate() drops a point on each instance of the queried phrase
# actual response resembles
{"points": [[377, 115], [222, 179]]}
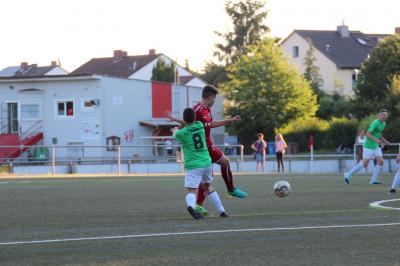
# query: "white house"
{"points": [[98, 107], [339, 54]]}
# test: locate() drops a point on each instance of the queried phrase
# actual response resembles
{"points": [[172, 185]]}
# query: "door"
{"points": [[12, 118]]}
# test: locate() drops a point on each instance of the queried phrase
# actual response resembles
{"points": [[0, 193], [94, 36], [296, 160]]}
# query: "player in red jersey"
{"points": [[203, 114]]}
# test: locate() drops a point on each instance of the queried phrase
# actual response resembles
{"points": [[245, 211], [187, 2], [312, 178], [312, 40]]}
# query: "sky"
{"points": [[75, 31]]}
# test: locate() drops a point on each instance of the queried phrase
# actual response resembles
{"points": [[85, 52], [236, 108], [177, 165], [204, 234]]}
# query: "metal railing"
{"points": [[100, 154], [32, 130], [385, 154]]}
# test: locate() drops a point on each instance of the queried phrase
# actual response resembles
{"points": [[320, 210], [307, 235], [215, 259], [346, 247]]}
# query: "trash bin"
{"points": [[271, 147]]}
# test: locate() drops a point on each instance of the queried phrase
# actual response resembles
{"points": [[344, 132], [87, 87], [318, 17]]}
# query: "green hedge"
{"points": [[328, 135]]}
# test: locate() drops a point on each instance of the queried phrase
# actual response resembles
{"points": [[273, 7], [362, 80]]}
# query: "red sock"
{"points": [[228, 178], [201, 196]]}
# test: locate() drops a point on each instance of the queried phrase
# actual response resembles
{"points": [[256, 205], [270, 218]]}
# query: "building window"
{"points": [[295, 51], [65, 108], [31, 110], [88, 104]]}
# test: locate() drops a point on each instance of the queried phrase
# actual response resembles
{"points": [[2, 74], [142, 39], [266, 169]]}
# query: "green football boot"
{"points": [[201, 210]]}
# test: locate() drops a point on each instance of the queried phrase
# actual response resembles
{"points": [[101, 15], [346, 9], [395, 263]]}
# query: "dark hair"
{"points": [[189, 115], [209, 90], [260, 135], [383, 111]]}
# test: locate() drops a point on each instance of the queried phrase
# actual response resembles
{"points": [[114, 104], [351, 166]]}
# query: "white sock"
{"points": [[396, 180], [356, 168], [377, 172], [191, 200], [216, 201]]}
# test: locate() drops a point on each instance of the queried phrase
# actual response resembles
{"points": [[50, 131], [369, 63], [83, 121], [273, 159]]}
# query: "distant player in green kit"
{"points": [[372, 149], [198, 166]]}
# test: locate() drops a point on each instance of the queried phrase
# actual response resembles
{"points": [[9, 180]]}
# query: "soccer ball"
{"points": [[282, 188]]}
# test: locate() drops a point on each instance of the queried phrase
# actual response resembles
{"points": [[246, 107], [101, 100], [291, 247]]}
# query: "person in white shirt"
{"points": [[359, 147], [168, 147], [280, 147]]}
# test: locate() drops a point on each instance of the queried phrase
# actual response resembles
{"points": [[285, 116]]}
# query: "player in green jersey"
{"points": [[372, 149], [198, 166]]}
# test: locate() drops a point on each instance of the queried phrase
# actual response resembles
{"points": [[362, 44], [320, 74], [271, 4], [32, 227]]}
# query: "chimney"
{"points": [[119, 55], [152, 51], [34, 65], [24, 65], [343, 30], [397, 30], [53, 63]]}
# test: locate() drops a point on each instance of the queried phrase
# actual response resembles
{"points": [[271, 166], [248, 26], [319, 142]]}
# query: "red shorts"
{"points": [[215, 154]]}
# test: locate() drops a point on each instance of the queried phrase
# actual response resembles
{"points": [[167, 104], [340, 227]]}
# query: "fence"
{"points": [[154, 159], [391, 148], [118, 155]]}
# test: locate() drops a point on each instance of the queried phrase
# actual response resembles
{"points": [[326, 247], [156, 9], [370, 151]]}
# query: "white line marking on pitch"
{"points": [[198, 233], [378, 204]]}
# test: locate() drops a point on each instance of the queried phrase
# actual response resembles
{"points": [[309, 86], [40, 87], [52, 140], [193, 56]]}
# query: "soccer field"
{"points": [[143, 221]]}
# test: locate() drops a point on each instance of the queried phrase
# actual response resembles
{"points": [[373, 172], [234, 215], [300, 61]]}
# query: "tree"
{"points": [[247, 18], [377, 72], [248, 28], [393, 107], [311, 72], [335, 105], [214, 74], [163, 72], [266, 91]]}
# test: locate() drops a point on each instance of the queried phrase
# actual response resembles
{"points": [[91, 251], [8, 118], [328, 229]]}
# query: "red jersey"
{"points": [[204, 115]]}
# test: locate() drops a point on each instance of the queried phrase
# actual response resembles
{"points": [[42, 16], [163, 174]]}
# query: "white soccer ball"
{"points": [[282, 188]]}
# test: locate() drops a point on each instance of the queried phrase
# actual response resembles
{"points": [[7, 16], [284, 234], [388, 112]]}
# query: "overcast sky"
{"points": [[75, 31]]}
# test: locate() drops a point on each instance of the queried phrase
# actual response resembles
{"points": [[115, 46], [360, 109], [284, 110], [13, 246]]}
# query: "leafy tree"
{"points": [[377, 72], [311, 72], [163, 72], [248, 28], [335, 105], [267, 91], [214, 74], [247, 18], [393, 107]]}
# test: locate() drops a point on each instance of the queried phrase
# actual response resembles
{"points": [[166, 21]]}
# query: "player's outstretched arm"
{"points": [[224, 122], [385, 141], [168, 115]]}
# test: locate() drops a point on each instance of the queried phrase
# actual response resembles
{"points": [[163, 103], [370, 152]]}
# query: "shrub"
{"points": [[327, 134]]}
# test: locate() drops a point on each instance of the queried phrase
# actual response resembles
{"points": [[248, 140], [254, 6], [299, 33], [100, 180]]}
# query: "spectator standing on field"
{"points": [[259, 147], [359, 147], [168, 147], [280, 147]]}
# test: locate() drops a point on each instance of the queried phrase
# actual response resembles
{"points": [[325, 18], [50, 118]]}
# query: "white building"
{"points": [[339, 54], [91, 108]]}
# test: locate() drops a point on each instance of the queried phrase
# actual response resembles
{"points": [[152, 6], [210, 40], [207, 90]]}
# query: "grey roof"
{"points": [[124, 67], [9, 71], [347, 52], [30, 71]]}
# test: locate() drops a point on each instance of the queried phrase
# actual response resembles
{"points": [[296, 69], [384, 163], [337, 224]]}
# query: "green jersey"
{"points": [[194, 146], [376, 128]]}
